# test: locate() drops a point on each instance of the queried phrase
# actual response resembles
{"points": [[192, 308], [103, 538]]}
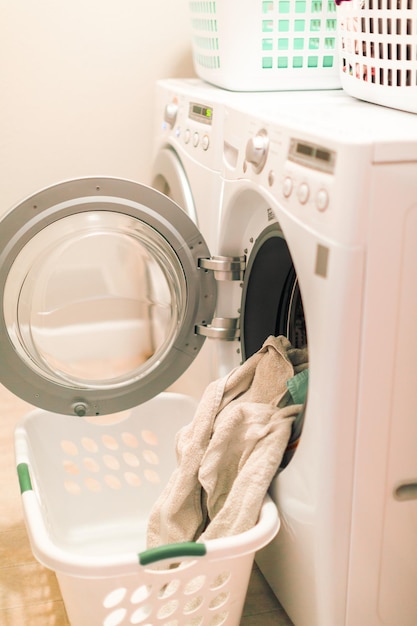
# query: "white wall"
{"points": [[76, 87]]}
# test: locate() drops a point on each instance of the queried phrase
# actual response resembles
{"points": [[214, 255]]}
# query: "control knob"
{"points": [[170, 114], [257, 150]]}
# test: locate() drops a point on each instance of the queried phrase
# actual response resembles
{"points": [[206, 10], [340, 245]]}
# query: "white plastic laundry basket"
{"points": [[265, 45], [377, 42], [87, 490]]}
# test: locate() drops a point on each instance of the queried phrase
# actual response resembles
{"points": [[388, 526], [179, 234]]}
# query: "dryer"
{"points": [[321, 205]]}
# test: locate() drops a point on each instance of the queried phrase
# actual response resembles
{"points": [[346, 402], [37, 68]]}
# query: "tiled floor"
{"points": [[261, 606], [29, 594]]}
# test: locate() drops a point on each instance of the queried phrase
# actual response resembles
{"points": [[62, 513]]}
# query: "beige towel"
{"points": [[228, 455]]}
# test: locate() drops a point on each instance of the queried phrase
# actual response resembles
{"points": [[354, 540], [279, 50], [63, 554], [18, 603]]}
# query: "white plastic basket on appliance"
{"points": [[87, 490], [265, 45], [377, 42]]}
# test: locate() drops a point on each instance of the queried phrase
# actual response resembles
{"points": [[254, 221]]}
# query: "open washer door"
{"points": [[102, 293]]}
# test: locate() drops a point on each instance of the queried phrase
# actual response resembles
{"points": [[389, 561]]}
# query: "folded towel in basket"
{"points": [[228, 455]]}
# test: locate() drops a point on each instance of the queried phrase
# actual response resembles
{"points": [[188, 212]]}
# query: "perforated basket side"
{"points": [[204, 24], [265, 45], [193, 584], [95, 484], [377, 41], [200, 591]]}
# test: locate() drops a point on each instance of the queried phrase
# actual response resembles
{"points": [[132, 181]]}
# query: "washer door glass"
{"points": [[102, 292]]}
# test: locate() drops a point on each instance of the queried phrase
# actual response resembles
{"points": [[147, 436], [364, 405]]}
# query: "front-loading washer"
{"points": [[187, 154], [321, 205], [187, 166]]}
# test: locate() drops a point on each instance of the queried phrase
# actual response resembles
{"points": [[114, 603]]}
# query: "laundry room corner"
{"points": [[208, 294], [78, 82]]}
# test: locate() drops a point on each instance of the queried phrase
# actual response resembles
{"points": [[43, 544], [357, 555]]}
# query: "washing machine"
{"points": [[320, 203], [110, 290], [187, 166], [187, 154]]}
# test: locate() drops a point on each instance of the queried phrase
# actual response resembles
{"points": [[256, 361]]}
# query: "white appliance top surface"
{"points": [[197, 88], [335, 115], [331, 114]]}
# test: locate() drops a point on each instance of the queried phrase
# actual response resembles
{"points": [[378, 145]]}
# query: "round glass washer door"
{"points": [[102, 292]]}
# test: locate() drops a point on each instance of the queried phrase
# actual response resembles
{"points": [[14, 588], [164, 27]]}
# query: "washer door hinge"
{"points": [[225, 267], [224, 328]]}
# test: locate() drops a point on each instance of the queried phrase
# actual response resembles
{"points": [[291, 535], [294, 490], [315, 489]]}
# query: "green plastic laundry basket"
{"points": [[265, 45]]}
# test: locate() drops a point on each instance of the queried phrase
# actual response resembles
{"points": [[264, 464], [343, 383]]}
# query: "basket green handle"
{"points": [[167, 551], [24, 477], [172, 551]]}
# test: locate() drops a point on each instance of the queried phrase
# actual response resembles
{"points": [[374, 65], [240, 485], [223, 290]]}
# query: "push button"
{"points": [[205, 142], [196, 140], [322, 200], [303, 193], [287, 187]]}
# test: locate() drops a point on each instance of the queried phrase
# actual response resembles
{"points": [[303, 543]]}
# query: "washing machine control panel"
{"points": [[300, 171], [308, 174], [199, 112], [292, 168], [192, 123]]}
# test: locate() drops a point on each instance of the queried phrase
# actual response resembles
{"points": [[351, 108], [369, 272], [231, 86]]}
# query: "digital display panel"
{"points": [[323, 155], [312, 155], [303, 148], [201, 113]]}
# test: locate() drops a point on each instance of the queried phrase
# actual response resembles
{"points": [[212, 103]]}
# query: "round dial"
{"points": [[170, 115], [257, 150]]}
